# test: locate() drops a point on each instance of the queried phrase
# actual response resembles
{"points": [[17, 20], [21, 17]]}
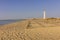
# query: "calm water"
{"points": [[2, 22]]}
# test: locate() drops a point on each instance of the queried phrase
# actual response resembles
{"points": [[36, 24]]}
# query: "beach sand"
{"points": [[32, 29]]}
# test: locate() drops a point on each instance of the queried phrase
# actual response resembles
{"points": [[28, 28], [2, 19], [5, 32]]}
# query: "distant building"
{"points": [[44, 14]]}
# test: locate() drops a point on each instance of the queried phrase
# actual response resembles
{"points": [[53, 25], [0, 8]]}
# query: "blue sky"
{"points": [[19, 9]]}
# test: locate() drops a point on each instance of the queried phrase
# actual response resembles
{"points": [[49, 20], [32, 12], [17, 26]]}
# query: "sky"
{"points": [[21, 9]]}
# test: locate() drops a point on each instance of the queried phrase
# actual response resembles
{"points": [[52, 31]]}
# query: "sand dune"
{"points": [[32, 29]]}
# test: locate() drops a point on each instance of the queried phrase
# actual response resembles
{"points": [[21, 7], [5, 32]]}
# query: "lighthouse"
{"points": [[44, 14]]}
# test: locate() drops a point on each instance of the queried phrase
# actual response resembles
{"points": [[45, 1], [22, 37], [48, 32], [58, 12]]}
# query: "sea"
{"points": [[2, 22]]}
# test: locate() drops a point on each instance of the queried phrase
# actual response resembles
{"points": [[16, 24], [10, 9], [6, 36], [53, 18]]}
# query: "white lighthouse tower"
{"points": [[44, 14]]}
